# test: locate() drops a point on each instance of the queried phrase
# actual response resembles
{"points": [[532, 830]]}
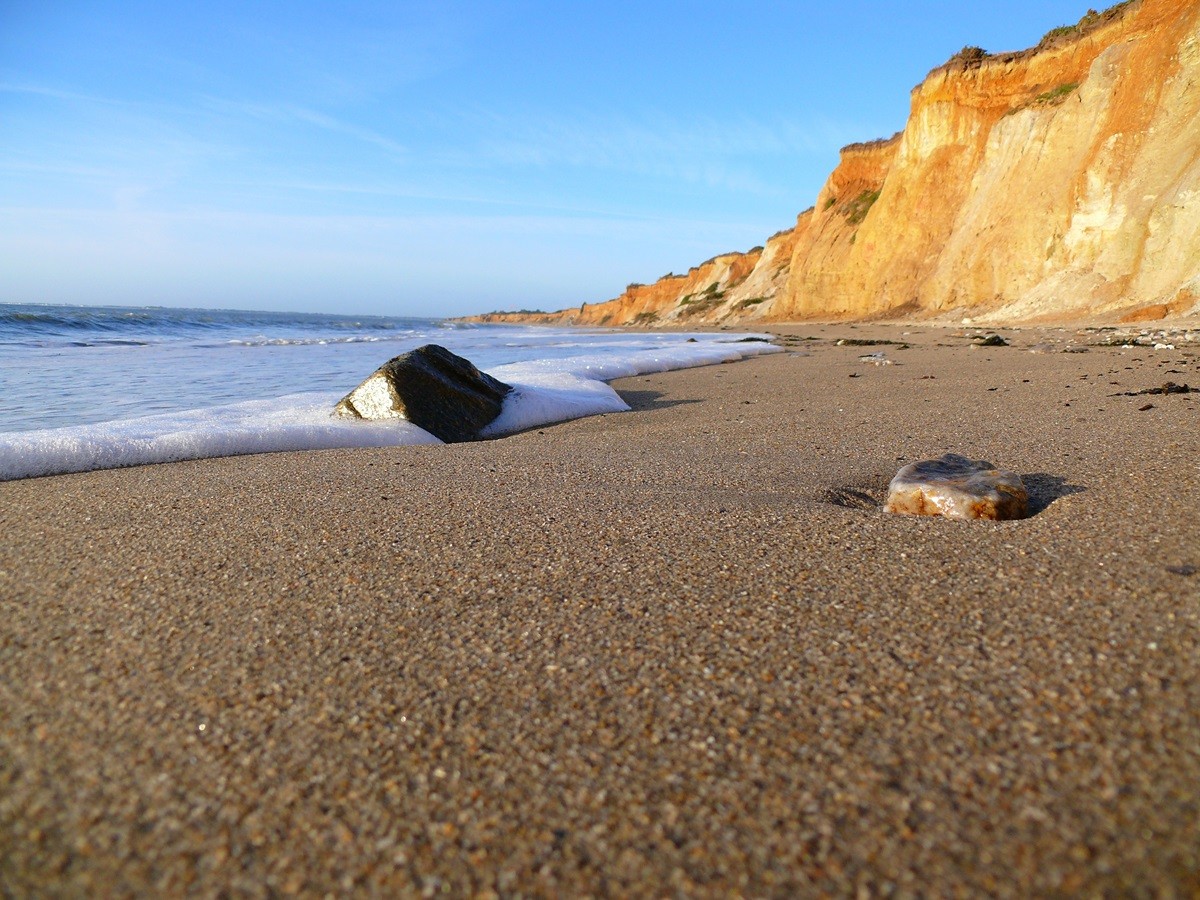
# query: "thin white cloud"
{"points": [[58, 94], [287, 112], [329, 123], [718, 153], [512, 206]]}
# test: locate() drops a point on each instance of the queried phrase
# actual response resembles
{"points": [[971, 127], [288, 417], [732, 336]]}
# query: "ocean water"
{"points": [[98, 387]]}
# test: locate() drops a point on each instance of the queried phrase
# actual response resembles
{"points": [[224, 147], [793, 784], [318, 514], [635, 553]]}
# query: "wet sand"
{"points": [[678, 650]]}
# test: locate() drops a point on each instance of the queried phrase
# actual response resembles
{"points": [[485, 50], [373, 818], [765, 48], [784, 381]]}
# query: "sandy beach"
{"points": [[679, 650]]}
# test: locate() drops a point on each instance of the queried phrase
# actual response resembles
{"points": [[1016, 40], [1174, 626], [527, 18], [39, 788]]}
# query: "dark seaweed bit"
{"points": [[1169, 387]]}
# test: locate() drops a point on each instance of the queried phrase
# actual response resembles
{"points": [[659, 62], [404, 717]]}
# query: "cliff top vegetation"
{"points": [[862, 146], [972, 57]]}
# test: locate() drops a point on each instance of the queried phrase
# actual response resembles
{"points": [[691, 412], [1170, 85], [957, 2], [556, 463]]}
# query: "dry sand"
{"points": [[678, 650]]}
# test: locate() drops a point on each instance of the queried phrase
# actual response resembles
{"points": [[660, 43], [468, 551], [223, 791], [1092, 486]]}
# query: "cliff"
{"points": [[1057, 183]]}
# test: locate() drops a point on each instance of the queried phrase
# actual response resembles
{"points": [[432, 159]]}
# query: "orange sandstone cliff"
{"points": [[1057, 183]]}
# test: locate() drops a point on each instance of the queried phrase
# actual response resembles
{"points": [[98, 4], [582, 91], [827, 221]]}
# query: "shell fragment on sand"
{"points": [[959, 488]]}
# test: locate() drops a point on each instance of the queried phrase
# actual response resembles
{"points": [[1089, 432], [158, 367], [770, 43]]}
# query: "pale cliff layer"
{"points": [[1056, 184]]}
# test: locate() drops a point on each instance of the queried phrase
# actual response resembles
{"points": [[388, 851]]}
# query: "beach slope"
{"points": [[679, 649]]}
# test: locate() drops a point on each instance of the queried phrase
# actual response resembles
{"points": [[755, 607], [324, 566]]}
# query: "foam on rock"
{"points": [[434, 389], [959, 488]]}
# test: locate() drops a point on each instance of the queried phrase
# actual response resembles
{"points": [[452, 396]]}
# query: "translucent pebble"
{"points": [[878, 359], [957, 487]]}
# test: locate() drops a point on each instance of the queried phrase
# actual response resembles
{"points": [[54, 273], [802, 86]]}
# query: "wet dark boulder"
{"points": [[434, 389]]}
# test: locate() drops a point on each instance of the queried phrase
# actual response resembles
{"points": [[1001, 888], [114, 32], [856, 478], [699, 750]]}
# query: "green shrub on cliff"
{"points": [[1051, 97], [1054, 34], [856, 210], [749, 301], [970, 56], [1058, 94], [1090, 20]]}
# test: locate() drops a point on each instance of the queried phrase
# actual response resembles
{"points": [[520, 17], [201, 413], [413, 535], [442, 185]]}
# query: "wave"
{"points": [[307, 342], [21, 321], [544, 391], [115, 342]]}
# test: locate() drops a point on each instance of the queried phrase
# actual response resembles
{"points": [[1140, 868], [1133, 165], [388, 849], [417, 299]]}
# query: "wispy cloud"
{"points": [[37, 90], [287, 112], [721, 153], [502, 206], [329, 123]]}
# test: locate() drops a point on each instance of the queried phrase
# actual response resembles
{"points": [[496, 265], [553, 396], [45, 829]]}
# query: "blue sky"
{"points": [[436, 158]]}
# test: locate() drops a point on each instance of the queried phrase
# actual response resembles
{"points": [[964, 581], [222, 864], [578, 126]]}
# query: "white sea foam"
{"points": [[293, 422], [545, 391]]}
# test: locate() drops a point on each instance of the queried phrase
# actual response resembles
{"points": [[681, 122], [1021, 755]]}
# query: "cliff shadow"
{"points": [[1044, 489], [640, 401]]}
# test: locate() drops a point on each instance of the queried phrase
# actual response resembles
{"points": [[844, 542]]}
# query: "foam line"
{"points": [[545, 391]]}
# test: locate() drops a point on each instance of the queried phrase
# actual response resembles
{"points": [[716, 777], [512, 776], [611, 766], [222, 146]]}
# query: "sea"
{"points": [[94, 387]]}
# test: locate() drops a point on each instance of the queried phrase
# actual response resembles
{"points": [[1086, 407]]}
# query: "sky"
{"points": [[436, 158]]}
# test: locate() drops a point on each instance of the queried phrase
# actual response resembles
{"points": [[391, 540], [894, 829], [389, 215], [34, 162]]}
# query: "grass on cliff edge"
{"points": [[1058, 94], [856, 210], [1052, 97], [1089, 22], [972, 56]]}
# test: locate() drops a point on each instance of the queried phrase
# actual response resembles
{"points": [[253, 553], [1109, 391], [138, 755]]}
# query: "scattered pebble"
{"points": [[957, 487], [878, 359]]}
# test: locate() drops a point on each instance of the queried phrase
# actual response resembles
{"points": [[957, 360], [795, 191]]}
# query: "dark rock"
{"points": [[432, 388], [992, 340]]}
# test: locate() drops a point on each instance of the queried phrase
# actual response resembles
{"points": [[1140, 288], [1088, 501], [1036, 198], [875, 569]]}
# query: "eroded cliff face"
{"points": [[1055, 184]]}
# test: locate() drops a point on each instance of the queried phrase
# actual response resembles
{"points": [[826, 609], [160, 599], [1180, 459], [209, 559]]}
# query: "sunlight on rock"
{"points": [[959, 488]]}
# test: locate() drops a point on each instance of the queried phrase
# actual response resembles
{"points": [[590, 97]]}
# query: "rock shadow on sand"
{"points": [[860, 497], [1044, 489], [640, 401]]}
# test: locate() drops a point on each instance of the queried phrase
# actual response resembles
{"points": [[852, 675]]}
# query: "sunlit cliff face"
{"points": [[1056, 184]]}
